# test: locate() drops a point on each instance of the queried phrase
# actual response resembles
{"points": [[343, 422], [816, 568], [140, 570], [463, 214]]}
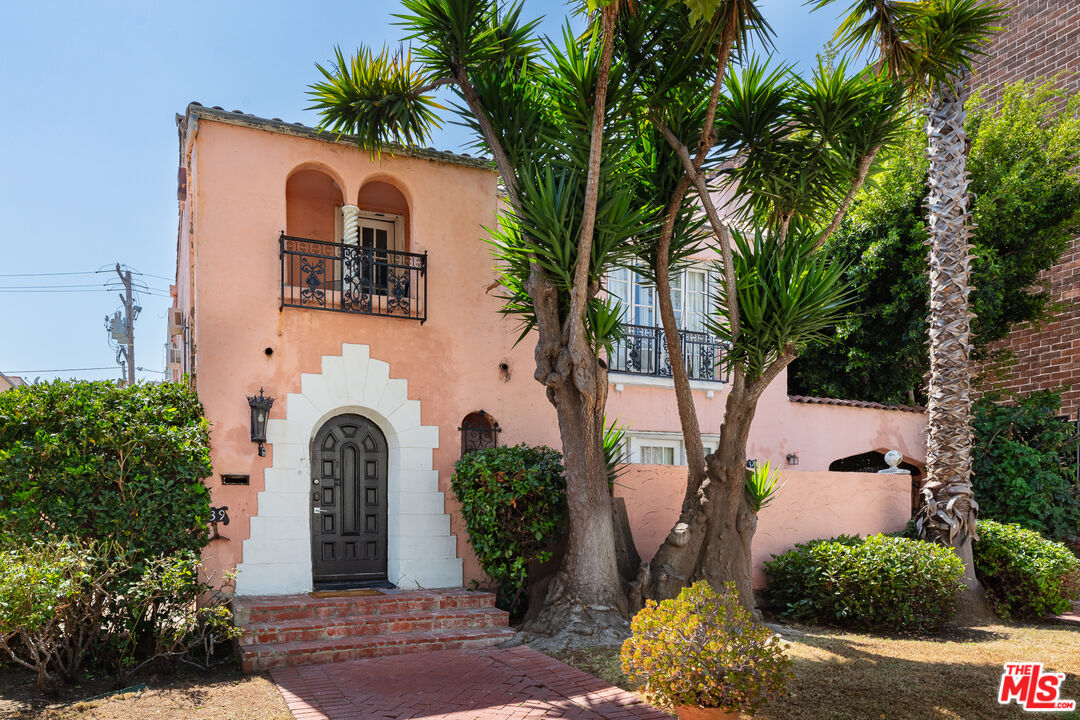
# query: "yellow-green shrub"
{"points": [[702, 649]]}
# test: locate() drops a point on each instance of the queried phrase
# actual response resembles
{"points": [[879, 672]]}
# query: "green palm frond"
{"points": [[788, 295], [803, 139], [376, 98], [885, 25], [616, 448], [762, 485], [457, 34], [952, 33], [920, 43]]}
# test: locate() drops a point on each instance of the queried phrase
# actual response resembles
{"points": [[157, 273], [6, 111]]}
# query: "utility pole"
{"points": [[130, 310]]}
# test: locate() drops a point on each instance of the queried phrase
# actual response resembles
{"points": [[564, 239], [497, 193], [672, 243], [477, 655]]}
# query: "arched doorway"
{"points": [[348, 501], [874, 461]]}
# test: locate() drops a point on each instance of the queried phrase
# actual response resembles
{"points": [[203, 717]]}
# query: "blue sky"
{"points": [[88, 94]]}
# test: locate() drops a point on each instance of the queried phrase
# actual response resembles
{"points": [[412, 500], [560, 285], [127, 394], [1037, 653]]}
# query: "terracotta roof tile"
{"points": [[854, 403], [297, 128]]}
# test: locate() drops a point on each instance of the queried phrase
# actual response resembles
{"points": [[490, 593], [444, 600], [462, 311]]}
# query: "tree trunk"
{"points": [[726, 555], [712, 539], [949, 510], [585, 603]]}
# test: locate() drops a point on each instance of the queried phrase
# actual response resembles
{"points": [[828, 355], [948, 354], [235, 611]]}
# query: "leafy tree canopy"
{"points": [[1026, 209]]}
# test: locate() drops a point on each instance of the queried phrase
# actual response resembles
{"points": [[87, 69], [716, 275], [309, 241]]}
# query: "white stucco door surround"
{"points": [[421, 552]]}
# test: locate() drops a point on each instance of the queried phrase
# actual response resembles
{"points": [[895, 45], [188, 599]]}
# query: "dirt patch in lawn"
{"points": [[853, 676], [221, 694]]}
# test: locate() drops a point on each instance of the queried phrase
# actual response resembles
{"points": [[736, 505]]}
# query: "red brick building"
{"points": [[1041, 41]]}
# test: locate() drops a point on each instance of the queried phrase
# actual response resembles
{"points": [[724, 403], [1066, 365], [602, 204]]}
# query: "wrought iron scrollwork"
{"points": [[479, 431], [643, 351], [314, 272], [346, 277], [355, 296], [398, 283]]}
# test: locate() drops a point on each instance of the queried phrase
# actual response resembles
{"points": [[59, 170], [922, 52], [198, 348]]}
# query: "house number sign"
{"points": [[219, 515]]}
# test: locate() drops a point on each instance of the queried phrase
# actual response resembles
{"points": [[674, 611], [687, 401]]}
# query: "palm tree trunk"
{"points": [[949, 510]]}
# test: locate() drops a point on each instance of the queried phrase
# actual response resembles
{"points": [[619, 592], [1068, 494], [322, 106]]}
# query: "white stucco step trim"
{"points": [[421, 551]]}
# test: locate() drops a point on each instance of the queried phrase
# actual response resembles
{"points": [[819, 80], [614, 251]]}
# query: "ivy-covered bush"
{"points": [[1024, 464], [95, 461], [1025, 575], [513, 500], [880, 583], [702, 649], [1026, 198]]}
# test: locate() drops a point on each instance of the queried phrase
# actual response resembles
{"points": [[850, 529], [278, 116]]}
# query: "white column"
{"points": [[350, 215]]}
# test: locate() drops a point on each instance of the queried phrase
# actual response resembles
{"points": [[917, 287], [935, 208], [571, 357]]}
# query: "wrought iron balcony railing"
{"points": [[644, 352], [344, 277]]}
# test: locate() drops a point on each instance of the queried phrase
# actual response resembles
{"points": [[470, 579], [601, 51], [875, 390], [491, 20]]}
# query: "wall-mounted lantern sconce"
{"points": [[751, 464], [260, 412], [793, 458]]}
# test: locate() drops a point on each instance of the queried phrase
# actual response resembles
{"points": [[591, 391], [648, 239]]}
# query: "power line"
{"points": [[27, 372], [47, 287], [50, 274]]}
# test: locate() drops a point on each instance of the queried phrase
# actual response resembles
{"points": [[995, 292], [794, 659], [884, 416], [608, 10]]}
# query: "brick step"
{"points": [[284, 608], [255, 658], [352, 626]]}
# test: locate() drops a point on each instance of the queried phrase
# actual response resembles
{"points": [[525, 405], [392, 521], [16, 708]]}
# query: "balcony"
{"points": [[644, 352], [343, 277]]}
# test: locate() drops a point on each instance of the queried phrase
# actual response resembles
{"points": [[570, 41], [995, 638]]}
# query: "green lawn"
{"points": [[853, 676]]}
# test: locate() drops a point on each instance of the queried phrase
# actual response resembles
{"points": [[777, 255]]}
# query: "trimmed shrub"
{"points": [[1024, 464], [95, 461], [703, 650], [64, 604], [880, 583], [513, 500], [103, 515], [1025, 575]]}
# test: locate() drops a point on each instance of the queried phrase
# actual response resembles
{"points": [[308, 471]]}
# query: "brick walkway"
{"points": [[476, 684]]}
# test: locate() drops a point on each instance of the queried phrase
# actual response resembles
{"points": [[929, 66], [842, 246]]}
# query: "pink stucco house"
{"points": [[359, 293]]}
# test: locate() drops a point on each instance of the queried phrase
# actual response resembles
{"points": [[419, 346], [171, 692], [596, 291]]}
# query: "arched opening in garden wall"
{"points": [[313, 202], [874, 461]]}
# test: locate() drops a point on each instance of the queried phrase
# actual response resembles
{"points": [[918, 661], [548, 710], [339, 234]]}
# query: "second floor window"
{"points": [[644, 351], [692, 290]]}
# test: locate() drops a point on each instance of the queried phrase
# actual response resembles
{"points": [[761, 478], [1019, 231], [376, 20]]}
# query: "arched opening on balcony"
{"points": [[313, 223], [384, 220]]}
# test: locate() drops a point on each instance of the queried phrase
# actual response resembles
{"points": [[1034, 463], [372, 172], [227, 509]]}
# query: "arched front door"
{"points": [[348, 501]]}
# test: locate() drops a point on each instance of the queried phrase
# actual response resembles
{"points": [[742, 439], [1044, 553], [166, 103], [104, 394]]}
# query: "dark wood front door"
{"points": [[348, 501]]}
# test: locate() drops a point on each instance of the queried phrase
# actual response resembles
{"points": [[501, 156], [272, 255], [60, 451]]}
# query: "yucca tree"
{"points": [[930, 46], [789, 150], [552, 114]]}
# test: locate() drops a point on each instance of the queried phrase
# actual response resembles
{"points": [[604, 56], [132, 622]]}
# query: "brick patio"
{"points": [[473, 684]]}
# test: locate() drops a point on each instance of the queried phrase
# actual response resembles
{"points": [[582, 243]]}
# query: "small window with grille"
{"points": [[478, 431]]}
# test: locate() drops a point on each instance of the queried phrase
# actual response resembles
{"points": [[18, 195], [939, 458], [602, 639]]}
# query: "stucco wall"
{"points": [[810, 505], [229, 284]]}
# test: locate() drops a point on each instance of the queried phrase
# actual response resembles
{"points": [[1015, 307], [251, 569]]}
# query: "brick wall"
{"points": [[1041, 40]]}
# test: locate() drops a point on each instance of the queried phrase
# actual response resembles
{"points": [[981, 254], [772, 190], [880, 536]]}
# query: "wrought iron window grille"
{"points": [[479, 431], [643, 351], [352, 278]]}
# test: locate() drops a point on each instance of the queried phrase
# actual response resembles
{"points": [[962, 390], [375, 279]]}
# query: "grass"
{"points": [[853, 676]]}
